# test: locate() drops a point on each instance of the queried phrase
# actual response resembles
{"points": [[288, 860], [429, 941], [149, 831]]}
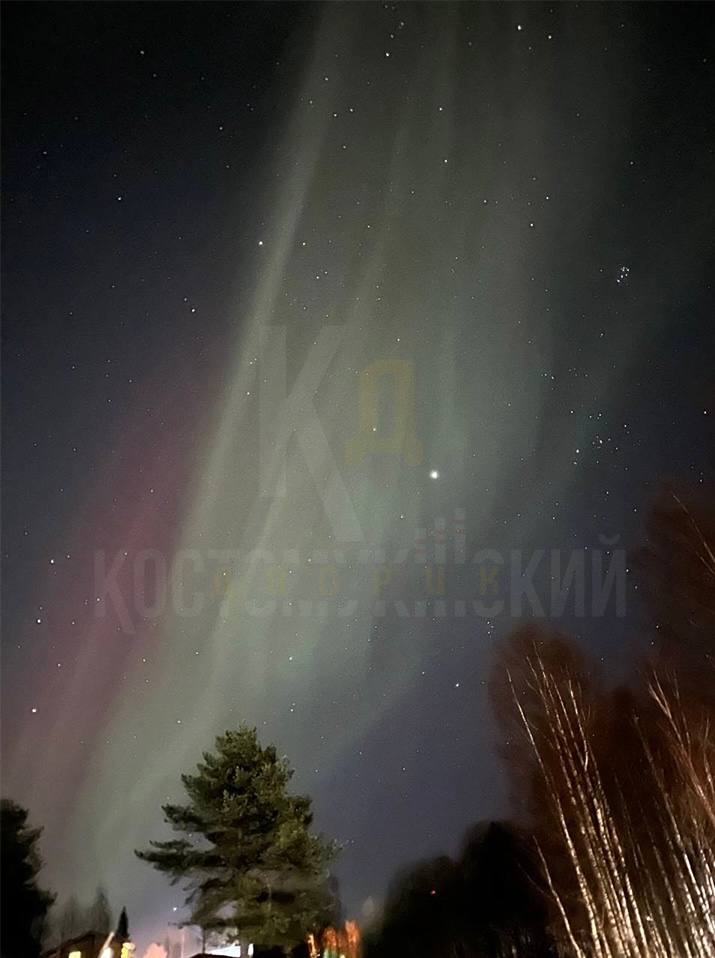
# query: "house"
{"points": [[97, 944], [91, 945]]}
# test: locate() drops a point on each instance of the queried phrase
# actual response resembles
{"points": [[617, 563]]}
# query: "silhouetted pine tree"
{"points": [[24, 905], [99, 915], [249, 861], [122, 932]]}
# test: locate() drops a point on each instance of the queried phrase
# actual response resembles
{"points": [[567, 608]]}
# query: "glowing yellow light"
{"points": [[75, 954]]}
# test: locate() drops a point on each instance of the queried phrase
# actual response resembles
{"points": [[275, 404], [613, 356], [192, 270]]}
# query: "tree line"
{"points": [[611, 851]]}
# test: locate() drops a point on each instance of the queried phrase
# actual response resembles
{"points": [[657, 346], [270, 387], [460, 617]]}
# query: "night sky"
{"points": [[509, 204]]}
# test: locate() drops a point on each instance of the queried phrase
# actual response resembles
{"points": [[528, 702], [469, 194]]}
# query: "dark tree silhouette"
{"points": [[484, 905], [122, 932], [24, 904], [250, 861], [618, 784], [71, 920], [677, 569], [99, 915]]}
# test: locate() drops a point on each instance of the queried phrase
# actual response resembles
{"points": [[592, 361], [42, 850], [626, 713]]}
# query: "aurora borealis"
{"points": [[226, 225]]}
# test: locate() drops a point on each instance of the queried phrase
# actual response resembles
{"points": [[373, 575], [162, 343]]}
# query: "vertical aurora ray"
{"points": [[361, 181]]}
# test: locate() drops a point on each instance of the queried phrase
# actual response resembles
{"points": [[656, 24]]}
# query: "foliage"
{"points": [[485, 904], [73, 919], [677, 568], [619, 784], [122, 932], [248, 859], [99, 914], [24, 904]]}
